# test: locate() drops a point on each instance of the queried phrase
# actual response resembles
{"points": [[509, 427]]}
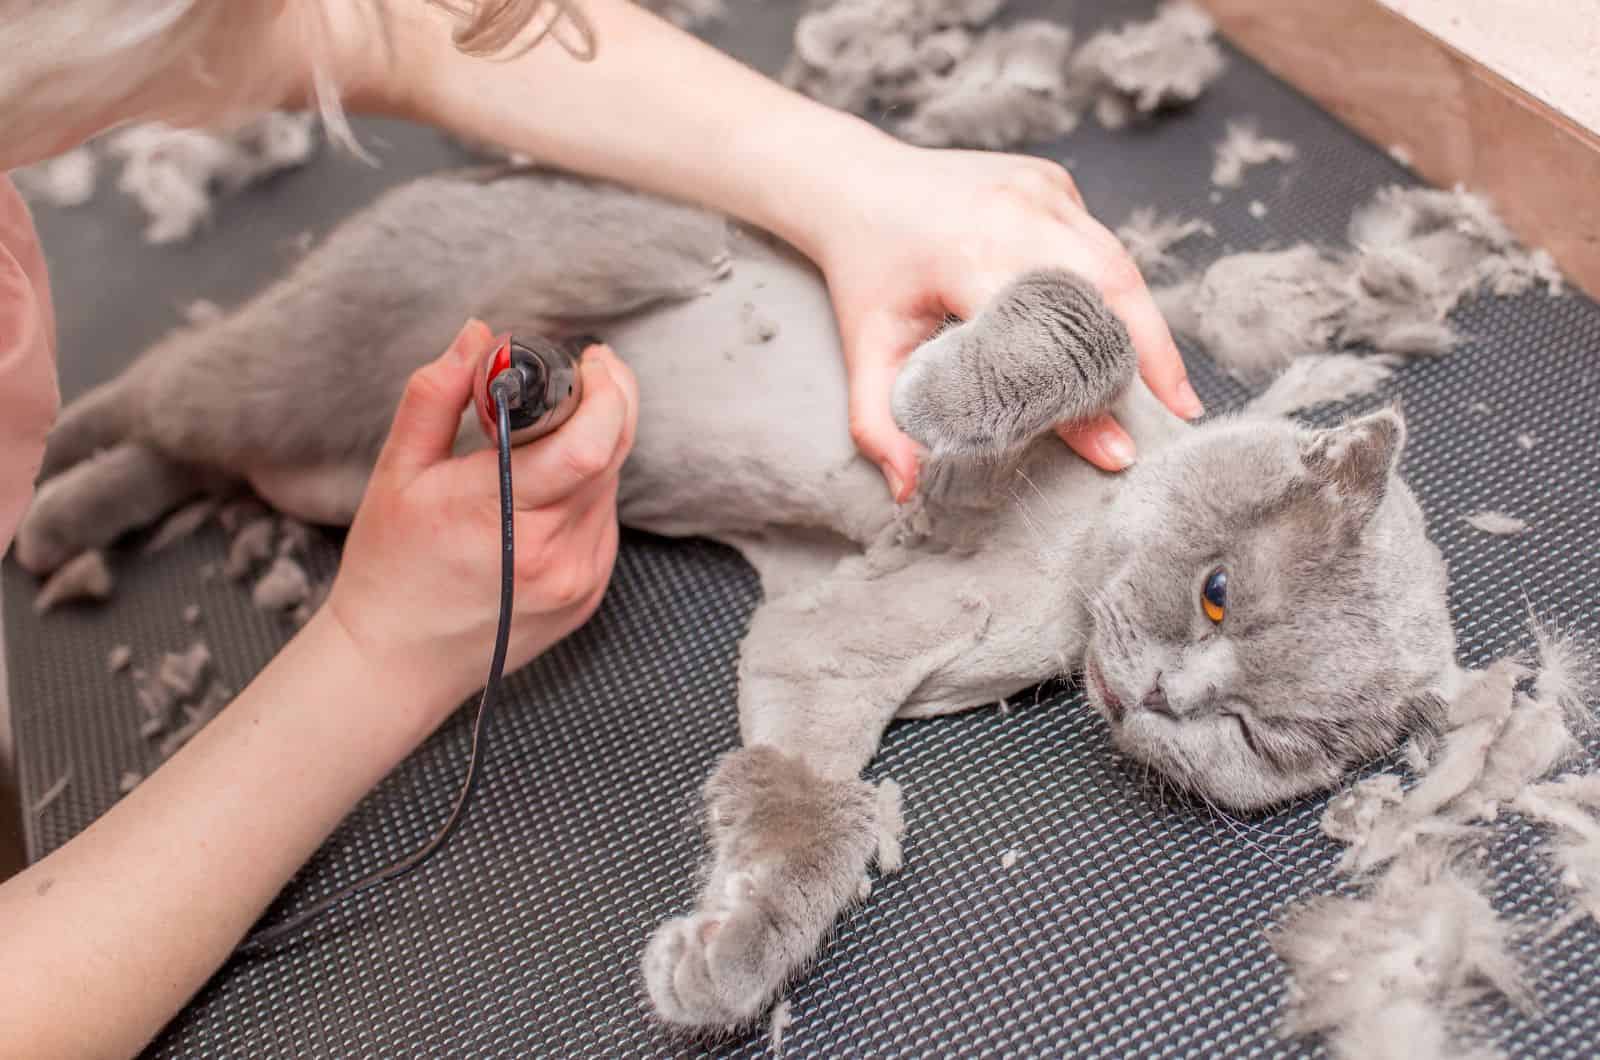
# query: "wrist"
{"points": [[805, 170], [401, 705]]}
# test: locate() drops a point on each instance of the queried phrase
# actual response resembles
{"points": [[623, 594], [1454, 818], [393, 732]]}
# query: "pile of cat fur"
{"points": [[265, 549], [175, 175], [177, 694], [177, 697], [946, 78], [1395, 970], [1415, 253]]}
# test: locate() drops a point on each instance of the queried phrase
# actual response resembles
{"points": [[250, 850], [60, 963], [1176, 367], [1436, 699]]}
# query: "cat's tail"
{"points": [[99, 420], [1046, 351]]}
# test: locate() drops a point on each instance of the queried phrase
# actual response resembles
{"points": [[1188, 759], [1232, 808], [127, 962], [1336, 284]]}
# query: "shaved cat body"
{"points": [[1016, 562]]}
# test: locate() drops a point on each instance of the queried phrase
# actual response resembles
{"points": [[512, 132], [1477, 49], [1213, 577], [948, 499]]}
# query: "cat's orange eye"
{"points": [[1214, 595]]}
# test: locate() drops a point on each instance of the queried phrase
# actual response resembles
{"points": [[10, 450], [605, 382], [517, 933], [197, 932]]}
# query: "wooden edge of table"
{"points": [[1457, 121]]}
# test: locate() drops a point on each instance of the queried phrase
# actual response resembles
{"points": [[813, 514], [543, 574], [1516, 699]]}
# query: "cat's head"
{"points": [[1276, 614]]}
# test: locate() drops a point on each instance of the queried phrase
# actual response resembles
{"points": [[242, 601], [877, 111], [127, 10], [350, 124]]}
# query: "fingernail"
{"points": [[1118, 450], [578, 345], [897, 485], [462, 347], [1189, 406]]}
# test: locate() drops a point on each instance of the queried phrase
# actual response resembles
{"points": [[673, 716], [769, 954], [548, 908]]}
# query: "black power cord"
{"points": [[504, 396]]}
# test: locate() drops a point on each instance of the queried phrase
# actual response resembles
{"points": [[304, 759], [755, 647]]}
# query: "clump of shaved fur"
{"points": [[858, 55], [1351, 817], [249, 548], [85, 578], [891, 826], [1497, 741], [181, 525], [1390, 971], [1255, 312], [1571, 807], [201, 311], [66, 180], [1458, 239], [1149, 239], [1392, 974], [51, 794], [1010, 89], [182, 672], [1497, 523], [782, 1020], [1569, 674], [1416, 253], [283, 587], [965, 85], [1243, 146], [174, 174], [1146, 66], [178, 697]]}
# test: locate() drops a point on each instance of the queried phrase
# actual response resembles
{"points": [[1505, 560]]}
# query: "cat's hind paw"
{"points": [[789, 853], [704, 972]]}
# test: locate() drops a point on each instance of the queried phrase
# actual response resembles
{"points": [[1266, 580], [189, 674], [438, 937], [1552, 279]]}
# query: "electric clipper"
{"points": [[540, 380]]}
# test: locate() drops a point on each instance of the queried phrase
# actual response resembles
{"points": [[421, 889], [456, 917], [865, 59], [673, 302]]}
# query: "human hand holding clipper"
{"points": [[418, 584], [557, 536]]}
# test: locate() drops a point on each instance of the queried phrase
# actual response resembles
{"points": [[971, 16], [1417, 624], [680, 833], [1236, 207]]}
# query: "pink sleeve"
{"points": [[28, 396]]}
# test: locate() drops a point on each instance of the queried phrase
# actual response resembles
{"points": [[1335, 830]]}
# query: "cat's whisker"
{"points": [[1055, 511], [1028, 520], [1240, 829]]}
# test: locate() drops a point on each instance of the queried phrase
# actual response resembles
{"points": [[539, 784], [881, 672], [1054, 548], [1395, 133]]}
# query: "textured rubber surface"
{"points": [[1127, 925]]}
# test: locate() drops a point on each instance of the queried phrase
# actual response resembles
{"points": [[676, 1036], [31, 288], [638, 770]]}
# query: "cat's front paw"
{"points": [[789, 853], [1047, 350]]}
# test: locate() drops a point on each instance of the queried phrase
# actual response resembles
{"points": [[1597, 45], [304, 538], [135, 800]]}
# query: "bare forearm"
{"points": [[655, 108], [106, 938]]}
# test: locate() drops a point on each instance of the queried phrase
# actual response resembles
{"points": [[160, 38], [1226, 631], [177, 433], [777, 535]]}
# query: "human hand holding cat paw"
{"points": [[927, 233], [418, 587]]}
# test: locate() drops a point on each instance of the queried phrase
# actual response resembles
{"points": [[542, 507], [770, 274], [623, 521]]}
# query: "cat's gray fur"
{"points": [[1017, 561]]}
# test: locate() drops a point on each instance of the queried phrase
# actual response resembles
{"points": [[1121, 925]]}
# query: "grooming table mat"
{"points": [[1127, 925]]}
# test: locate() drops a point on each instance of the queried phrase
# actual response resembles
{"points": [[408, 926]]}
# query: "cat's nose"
{"points": [[1156, 699]]}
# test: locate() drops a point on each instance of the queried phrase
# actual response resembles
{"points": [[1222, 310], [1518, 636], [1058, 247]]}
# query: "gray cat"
{"points": [[1255, 605]]}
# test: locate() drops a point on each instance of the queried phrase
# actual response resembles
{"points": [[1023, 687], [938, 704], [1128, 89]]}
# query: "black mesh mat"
{"points": [[1125, 927]]}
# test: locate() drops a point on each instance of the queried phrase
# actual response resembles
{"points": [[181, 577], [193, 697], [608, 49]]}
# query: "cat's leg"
{"points": [[792, 827], [320, 494], [94, 502], [94, 422]]}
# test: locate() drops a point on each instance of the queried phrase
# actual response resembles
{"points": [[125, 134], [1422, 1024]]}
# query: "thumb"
{"points": [[874, 358], [425, 424]]}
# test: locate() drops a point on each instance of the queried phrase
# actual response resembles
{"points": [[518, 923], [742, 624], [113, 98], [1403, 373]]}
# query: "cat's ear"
{"points": [[1355, 460]]}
